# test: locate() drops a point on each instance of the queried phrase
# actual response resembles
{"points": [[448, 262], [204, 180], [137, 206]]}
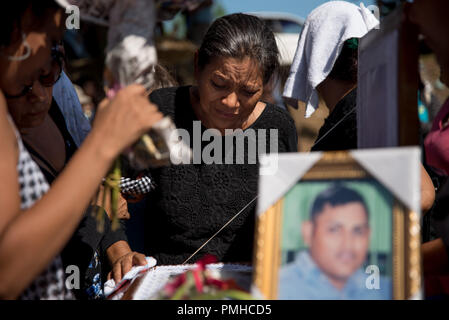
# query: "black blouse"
{"points": [[193, 201], [339, 131]]}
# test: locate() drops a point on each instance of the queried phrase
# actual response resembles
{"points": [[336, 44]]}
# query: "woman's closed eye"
{"points": [[250, 93], [25, 89], [218, 86], [47, 79]]}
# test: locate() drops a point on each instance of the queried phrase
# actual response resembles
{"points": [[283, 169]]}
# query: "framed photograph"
{"points": [[340, 225]]}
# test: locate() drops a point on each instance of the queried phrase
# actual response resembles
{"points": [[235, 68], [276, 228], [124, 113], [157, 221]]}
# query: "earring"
{"points": [[27, 53]]}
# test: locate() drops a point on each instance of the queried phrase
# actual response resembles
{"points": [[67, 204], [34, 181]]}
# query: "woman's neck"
{"points": [[46, 140], [333, 91]]}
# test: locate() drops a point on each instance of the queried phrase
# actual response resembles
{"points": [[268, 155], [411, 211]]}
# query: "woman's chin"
{"points": [[32, 122], [225, 125]]}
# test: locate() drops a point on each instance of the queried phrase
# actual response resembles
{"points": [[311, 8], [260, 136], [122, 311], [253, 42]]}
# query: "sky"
{"points": [[298, 7]]}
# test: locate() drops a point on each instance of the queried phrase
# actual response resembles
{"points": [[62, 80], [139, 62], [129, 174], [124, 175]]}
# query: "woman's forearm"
{"points": [[117, 250], [30, 239], [37, 235], [435, 258], [427, 191]]}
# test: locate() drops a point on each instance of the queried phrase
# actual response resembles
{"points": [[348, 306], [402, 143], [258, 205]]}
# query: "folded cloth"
{"points": [[115, 291], [322, 38], [142, 185]]}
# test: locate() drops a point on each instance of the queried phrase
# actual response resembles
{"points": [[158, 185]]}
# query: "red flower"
{"points": [[207, 259], [198, 280]]}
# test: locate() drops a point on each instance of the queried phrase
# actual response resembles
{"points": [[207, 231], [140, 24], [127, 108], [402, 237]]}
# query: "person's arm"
{"points": [[427, 191], [435, 257], [114, 246], [30, 239]]}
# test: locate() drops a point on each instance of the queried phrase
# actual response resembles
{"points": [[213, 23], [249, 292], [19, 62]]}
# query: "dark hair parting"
{"points": [[238, 36]]}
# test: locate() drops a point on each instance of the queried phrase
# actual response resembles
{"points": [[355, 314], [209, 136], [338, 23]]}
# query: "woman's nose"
{"points": [[231, 100], [39, 93]]}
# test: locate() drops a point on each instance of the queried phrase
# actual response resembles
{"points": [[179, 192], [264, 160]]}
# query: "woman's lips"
{"points": [[228, 115], [37, 113]]}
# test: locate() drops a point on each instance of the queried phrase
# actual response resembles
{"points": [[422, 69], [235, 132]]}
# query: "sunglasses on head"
{"points": [[48, 80]]}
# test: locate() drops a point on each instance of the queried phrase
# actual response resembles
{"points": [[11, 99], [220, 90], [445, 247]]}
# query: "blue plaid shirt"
{"points": [[65, 96]]}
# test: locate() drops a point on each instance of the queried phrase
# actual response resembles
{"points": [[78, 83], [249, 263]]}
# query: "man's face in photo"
{"points": [[338, 240]]}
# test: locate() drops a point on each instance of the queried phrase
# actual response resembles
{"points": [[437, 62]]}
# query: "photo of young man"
{"points": [[337, 235]]}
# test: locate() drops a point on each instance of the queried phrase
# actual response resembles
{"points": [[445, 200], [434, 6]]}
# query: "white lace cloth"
{"points": [[115, 291], [156, 278]]}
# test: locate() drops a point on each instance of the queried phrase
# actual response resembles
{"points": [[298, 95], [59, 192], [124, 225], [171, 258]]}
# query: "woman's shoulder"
{"points": [[279, 119], [167, 99], [275, 116], [8, 130]]}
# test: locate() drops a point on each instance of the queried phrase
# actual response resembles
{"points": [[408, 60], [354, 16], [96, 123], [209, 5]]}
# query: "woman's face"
{"points": [[229, 90], [31, 109]]}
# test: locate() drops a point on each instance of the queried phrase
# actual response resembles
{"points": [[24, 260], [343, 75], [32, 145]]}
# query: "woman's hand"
{"points": [[121, 121], [123, 259], [122, 204]]}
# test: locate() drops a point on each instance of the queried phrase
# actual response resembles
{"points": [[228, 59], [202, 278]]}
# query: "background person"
{"points": [[51, 146], [325, 65], [430, 17], [86, 103]]}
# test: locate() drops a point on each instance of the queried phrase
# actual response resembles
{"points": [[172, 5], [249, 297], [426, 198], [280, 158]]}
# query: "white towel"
{"points": [[325, 30]]}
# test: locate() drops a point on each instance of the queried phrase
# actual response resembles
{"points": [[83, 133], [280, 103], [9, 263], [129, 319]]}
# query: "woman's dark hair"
{"points": [[345, 68], [238, 36], [11, 16], [162, 78]]}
